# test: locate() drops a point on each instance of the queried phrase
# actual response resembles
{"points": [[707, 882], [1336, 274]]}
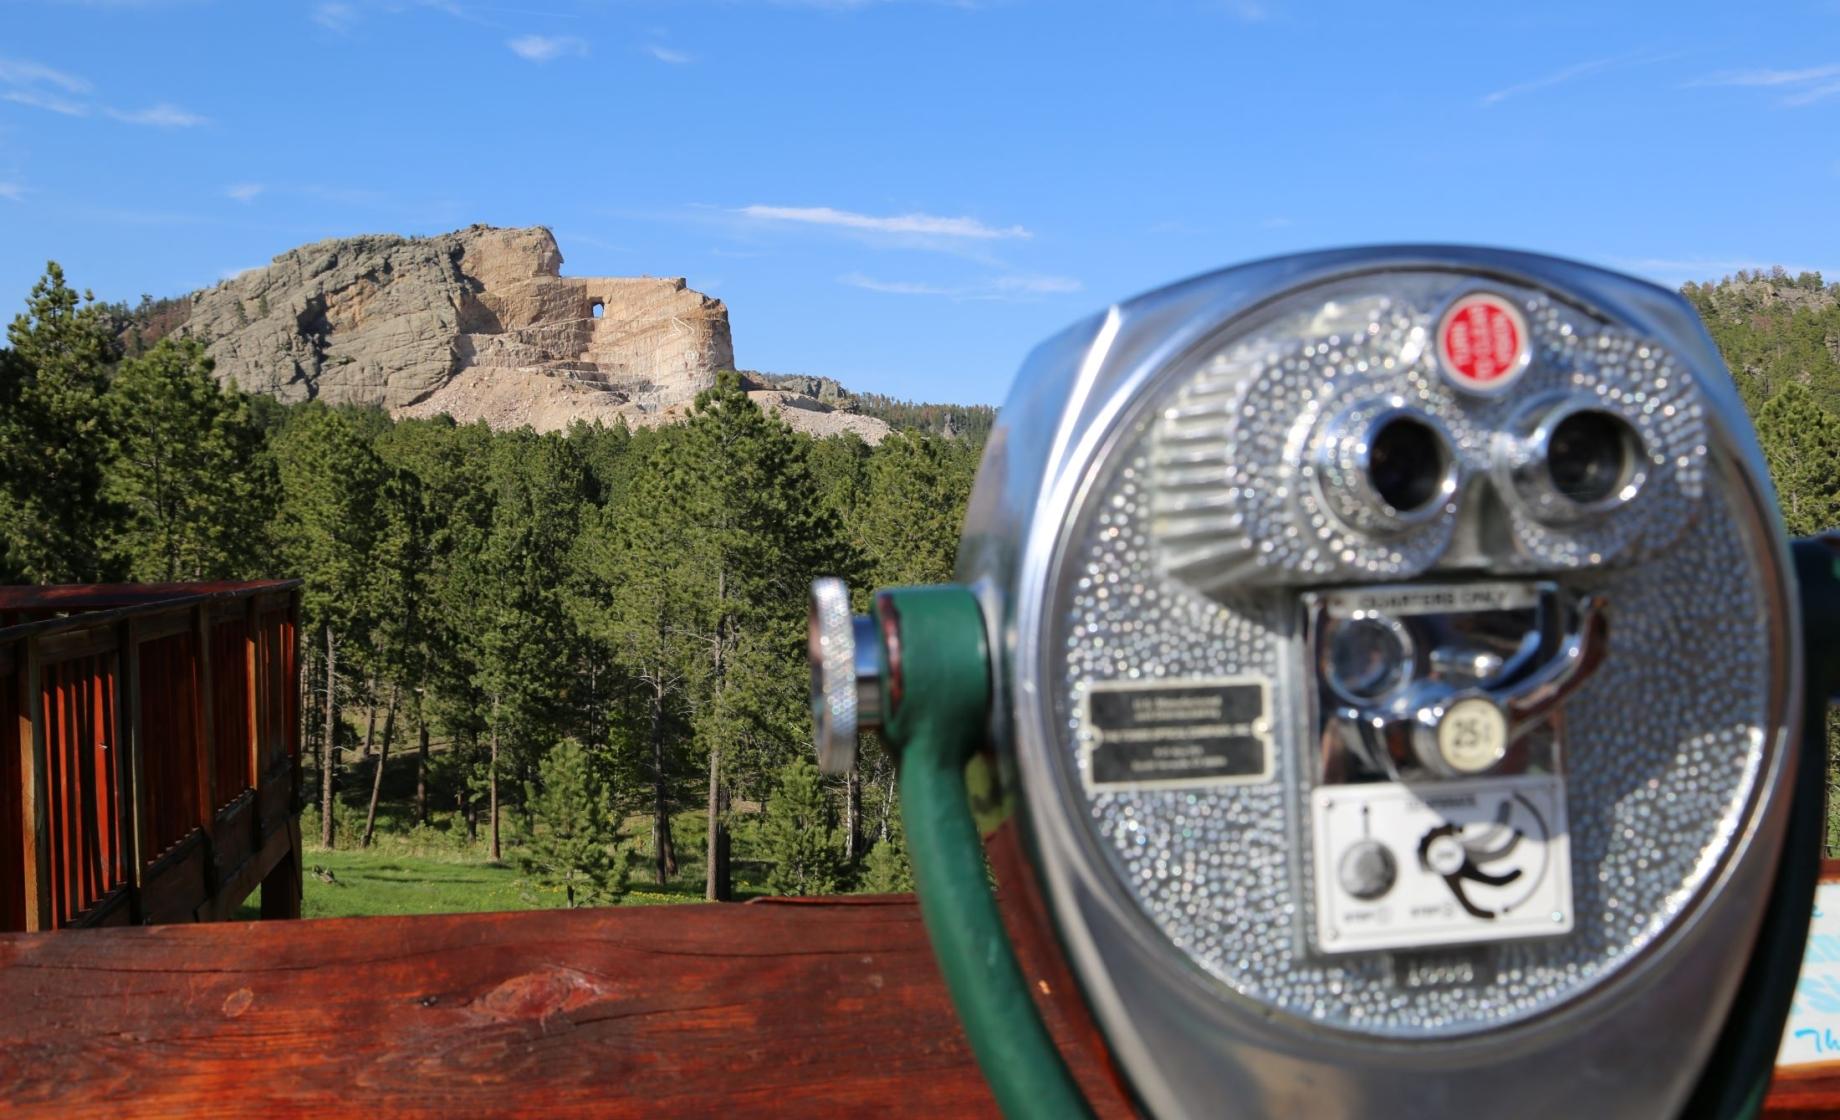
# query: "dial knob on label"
{"points": [[1367, 869]]}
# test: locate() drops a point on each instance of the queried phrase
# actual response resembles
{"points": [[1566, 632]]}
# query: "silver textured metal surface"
{"points": [[832, 650], [1180, 909]]}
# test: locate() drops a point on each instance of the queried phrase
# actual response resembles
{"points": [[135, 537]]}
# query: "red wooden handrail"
{"points": [[831, 1008]]}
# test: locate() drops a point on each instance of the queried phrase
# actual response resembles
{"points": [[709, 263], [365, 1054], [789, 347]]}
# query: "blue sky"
{"points": [[908, 195]]}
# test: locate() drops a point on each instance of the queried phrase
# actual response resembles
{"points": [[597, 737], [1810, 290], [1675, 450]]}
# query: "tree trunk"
{"points": [[421, 765], [370, 725], [716, 888], [664, 858], [526, 778], [852, 814], [383, 755], [492, 782], [308, 708], [327, 748]]}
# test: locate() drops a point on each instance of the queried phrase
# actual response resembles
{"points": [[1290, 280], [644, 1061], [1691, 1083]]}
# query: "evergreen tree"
{"points": [[190, 471], [638, 600], [797, 835], [887, 870], [449, 463], [755, 535], [330, 523], [912, 509], [54, 516], [1801, 442], [574, 845], [524, 636]]}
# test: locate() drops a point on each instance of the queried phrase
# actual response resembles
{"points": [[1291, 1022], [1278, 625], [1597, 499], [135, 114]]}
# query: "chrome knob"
{"points": [[846, 675]]}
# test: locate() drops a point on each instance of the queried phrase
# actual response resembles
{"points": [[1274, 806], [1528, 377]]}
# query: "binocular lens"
{"points": [[1590, 456], [1406, 463]]}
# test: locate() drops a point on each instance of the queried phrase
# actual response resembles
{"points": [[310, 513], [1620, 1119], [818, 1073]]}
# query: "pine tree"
{"points": [[54, 517], [189, 471], [797, 834], [887, 870], [755, 534], [575, 844], [1801, 442], [912, 509], [329, 524], [449, 464], [638, 600], [525, 634]]}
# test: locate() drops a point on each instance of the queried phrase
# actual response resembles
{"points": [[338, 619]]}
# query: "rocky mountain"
{"points": [[482, 325], [1775, 329]]}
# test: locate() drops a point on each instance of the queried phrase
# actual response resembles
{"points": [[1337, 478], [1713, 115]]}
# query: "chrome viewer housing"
{"points": [[1499, 628]]}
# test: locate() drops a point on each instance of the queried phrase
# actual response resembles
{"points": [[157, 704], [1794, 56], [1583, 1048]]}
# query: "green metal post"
{"points": [[936, 702]]}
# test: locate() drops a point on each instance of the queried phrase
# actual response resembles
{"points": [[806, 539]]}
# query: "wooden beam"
{"points": [[253, 707], [68, 645], [141, 827], [34, 793], [829, 1008], [207, 719]]}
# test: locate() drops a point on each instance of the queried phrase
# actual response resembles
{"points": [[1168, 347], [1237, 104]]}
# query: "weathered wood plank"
{"points": [[35, 814], [757, 1010], [818, 1008]]}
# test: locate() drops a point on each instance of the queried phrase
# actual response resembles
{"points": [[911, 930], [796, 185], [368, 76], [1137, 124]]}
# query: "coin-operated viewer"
{"points": [[1393, 668]]}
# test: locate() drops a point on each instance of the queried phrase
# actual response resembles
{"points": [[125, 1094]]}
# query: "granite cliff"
{"points": [[482, 325]]}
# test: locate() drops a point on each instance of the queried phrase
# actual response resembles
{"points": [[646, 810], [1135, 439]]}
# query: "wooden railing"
{"points": [[149, 765], [828, 1007]]}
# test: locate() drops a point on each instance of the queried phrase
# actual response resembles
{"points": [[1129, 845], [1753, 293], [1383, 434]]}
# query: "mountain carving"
{"points": [[482, 325]]}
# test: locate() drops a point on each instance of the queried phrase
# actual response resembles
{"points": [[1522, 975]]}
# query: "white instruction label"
{"points": [[1445, 863]]}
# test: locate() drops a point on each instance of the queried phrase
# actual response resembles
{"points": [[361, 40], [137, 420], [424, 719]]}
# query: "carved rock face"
{"points": [[479, 324]]}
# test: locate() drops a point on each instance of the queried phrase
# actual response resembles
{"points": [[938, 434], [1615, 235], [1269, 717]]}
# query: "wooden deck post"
{"points": [[132, 818], [34, 803], [252, 675]]}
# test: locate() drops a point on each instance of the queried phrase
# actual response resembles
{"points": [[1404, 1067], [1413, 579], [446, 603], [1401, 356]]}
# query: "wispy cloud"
{"points": [[243, 192], [1560, 77], [335, 17], [1012, 287], [42, 87], [1806, 85], [162, 115], [23, 72], [1248, 11], [543, 48], [12, 192], [666, 54], [929, 225], [48, 101]]}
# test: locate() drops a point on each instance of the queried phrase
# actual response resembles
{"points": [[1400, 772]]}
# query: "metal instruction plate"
{"points": [[1171, 734]]}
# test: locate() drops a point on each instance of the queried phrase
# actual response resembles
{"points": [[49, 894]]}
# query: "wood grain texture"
{"points": [[815, 1009]]}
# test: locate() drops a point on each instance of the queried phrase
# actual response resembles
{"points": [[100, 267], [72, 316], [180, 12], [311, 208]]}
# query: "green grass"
{"points": [[436, 869], [372, 882]]}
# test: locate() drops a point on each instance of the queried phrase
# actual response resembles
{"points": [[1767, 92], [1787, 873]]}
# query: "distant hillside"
{"points": [[1775, 329], [970, 422]]}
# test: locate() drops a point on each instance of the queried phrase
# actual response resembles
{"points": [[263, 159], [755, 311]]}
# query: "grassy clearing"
{"points": [[438, 869]]}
